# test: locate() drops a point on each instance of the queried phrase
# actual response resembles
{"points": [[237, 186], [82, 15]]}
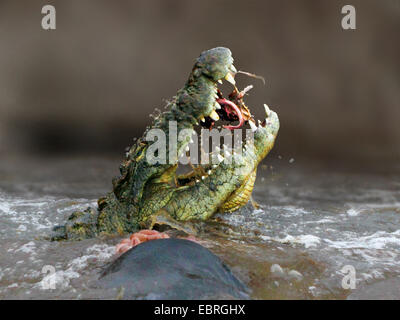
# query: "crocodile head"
{"points": [[225, 182]]}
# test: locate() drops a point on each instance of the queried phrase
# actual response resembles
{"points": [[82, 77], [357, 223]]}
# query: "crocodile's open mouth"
{"points": [[231, 109], [229, 113]]}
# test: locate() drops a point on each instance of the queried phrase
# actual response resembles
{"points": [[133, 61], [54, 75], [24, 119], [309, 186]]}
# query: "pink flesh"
{"points": [[237, 111], [139, 237], [146, 235]]}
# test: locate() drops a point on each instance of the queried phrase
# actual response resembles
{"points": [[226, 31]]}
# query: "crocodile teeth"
{"points": [[220, 81], [203, 177], [267, 109], [209, 172], [233, 68], [218, 149], [191, 140], [253, 126], [202, 119], [214, 115], [230, 79], [216, 105], [220, 158], [187, 148]]}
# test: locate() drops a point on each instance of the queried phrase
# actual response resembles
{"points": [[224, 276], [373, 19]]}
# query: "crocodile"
{"points": [[146, 194]]}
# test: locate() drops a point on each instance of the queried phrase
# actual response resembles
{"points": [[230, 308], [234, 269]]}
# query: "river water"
{"points": [[315, 229]]}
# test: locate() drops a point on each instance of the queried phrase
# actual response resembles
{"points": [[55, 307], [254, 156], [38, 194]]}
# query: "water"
{"points": [[312, 222]]}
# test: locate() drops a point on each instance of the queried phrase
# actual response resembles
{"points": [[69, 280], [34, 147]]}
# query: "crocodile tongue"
{"points": [[234, 108], [232, 112], [231, 109]]}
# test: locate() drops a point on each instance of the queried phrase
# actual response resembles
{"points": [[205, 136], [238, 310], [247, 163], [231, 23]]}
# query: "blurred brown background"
{"points": [[89, 86]]}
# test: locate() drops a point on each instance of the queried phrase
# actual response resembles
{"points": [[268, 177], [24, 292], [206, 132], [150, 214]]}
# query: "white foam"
{"points": [[62, 278], [377, 240], [307, 240], [354, 212], [32, 215], [27, 248], [291, 211], [21, 228]]}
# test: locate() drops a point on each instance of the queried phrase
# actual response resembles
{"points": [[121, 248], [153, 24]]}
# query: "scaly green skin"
{"points": [[145, 194]]}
